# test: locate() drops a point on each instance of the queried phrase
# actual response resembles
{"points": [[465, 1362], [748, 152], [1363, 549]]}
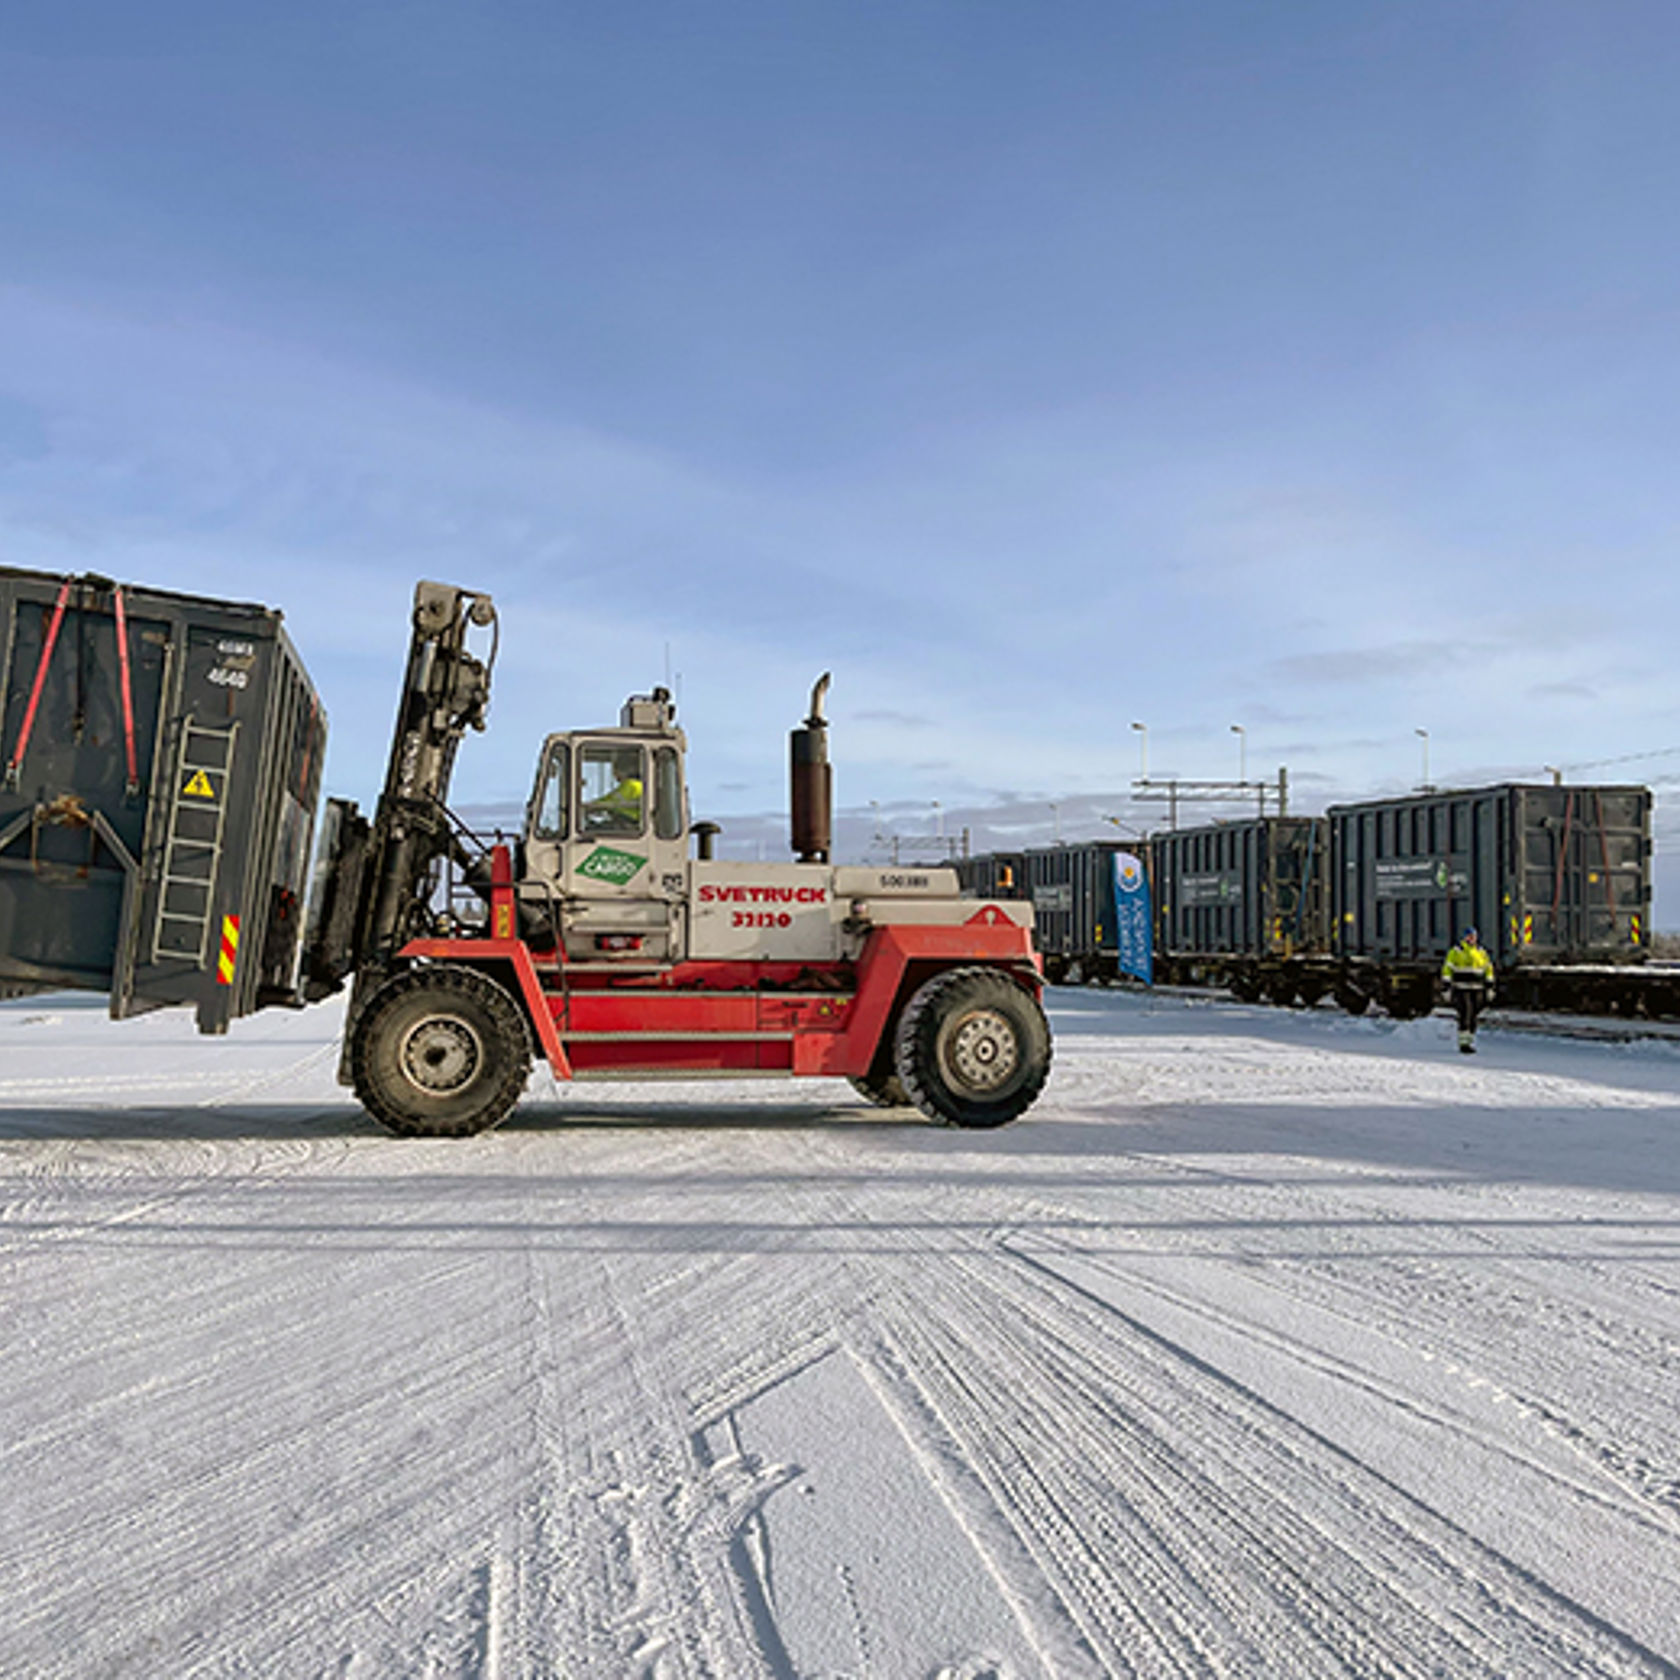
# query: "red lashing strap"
{"points": [[15, 762], [127, 693]]}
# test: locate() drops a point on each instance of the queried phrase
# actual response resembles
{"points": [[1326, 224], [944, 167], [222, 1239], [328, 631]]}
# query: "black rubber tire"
{"points": [[883, 1090], [972, 1048], [440, 1051]]}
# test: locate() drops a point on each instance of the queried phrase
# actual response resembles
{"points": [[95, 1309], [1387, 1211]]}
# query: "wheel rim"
{"points": [[441, 1055], [981, 1052]]}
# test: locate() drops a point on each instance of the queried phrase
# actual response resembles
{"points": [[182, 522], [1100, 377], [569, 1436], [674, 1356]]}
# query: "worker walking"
{"points": [[1468, 971]]}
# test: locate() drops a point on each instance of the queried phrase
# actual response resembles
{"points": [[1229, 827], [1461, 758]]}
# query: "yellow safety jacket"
{"points": [[1467, 960], [624, 800], [618, 810]]}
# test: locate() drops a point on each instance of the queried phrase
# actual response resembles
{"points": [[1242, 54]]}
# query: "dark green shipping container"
{"points": [[160, 768], [1546, 874]]}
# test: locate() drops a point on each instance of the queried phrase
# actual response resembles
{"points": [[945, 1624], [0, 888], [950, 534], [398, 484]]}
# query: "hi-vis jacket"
{"points": [[1467, 960], [624, 800]]}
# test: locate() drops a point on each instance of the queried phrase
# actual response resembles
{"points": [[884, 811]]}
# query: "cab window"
{"points": [[612, 790], [548, 821], [667, 794]]}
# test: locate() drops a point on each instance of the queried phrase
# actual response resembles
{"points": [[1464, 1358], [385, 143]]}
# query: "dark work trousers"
{"points": [[1469, 995]]}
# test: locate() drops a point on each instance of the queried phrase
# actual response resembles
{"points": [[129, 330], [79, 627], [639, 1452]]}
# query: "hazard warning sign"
{"points": [[200, 786]]}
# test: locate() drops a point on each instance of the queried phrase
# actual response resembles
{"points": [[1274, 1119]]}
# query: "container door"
{"points": [[74, 795], [1549, 830]]}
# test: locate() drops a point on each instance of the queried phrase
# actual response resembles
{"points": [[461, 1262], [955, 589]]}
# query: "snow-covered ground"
{"points": [[1267, 1344]]}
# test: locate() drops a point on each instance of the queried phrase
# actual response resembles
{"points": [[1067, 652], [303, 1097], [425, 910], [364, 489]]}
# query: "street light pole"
{"points": [[1242, 751], [1423, 735], [1143, 749]]}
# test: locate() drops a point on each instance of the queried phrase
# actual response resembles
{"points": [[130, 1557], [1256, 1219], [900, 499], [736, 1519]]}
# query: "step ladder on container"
{"points": [[193, 847]]}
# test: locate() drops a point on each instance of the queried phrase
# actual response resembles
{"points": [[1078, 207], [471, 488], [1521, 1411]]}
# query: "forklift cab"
{"points": [[605, 842]]}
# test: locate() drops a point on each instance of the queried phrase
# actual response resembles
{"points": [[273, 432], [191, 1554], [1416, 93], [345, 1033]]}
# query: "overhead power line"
{"points": [[1626, 758]]}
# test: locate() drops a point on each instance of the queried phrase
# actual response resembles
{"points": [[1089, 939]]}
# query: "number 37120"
{"points": [[762, 919]]}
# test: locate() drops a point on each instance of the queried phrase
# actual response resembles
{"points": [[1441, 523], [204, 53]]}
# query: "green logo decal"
{"points": [[606, 863]]}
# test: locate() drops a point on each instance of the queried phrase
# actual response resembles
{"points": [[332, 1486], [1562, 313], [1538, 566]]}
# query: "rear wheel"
{"points": [[972, 1048], [440, 1052], [885, 1090]]}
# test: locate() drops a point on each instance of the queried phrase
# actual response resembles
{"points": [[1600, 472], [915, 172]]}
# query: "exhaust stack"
{"points": [[812, 782]]}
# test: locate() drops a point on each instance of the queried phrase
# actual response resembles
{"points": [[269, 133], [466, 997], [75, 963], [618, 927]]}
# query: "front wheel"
{"points": [[972, 1048], [439, 1051]]}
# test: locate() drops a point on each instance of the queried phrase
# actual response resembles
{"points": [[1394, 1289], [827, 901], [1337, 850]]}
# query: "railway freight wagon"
{"points": [[993, 875], [1556, 880], [162, 767], [1364, 903], [1072, 891], [1076, 920], [1245, 904]]}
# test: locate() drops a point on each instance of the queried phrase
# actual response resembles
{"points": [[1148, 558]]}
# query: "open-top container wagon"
{"points": [[1364, 903], [161, 771], [1243, 904], [1556, 879]]}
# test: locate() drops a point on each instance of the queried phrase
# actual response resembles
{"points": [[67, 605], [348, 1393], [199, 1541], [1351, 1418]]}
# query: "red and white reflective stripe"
{"points": [[127, 692], [15, 762], [230, 949]]}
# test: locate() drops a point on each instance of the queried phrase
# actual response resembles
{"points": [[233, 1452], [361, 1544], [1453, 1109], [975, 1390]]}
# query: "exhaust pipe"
{"points": [[812, 782]]}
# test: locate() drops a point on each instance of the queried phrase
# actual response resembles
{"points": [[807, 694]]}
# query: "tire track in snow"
{"points": [[1520, 1321], [41, 1169], [495, 1429], [1050, 1351], [632, 1561], [1193, 1527], [315, 1412], [1402, 1399], [1460, 1286]]}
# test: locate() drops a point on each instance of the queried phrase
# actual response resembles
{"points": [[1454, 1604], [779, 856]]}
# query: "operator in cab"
{"points": [[619, 809], [1468, 972]]}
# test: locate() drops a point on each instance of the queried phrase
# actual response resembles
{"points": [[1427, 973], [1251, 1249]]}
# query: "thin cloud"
{"points": [[903, 720], [1354, 666]]}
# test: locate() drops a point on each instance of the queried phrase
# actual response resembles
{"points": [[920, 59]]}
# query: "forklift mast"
{"points": [[373, 881]]}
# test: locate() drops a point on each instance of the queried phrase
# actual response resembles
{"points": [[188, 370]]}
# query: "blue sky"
{"points": [[1310, 367]]}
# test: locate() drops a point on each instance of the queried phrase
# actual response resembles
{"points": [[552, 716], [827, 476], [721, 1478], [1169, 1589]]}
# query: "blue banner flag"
{"points": [[1134, 927]]}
